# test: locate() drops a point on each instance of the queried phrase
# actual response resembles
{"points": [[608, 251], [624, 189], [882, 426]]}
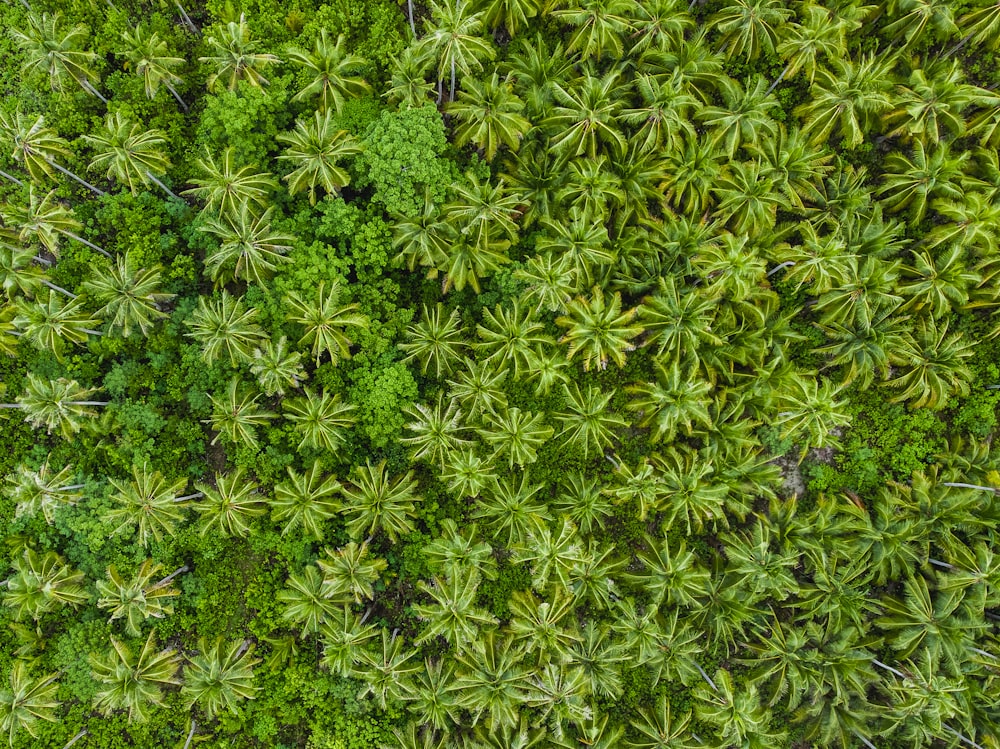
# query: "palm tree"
{"points": [[18, 272], [507, 336], [492, 681], [517, 434], [323, 320], [314, 148], [227, 506], [536, 70], [321, 419], [938, 285], [249, 248], [148, 56], [435, 431], [350, 573], [433, 702], [588, 420], [374, 501], [935, 367], [50, 49], [149, 502], [586, 116], [133, 682], [139, 598], [914, 183], [489, 115], [344, 635], [408, 85], [42, 491], [749, 28], [27, 701], [226, 189], [810, 411], [332, 70], [234, 57], [223, 325], [277, 368], [219, 676], [435, 341], [931, 106], [738, 714], [559, 693], [55, 404], [690, 174], [481, 211], [599, 329], [748, 199], [822, 34], [45, 220], [478, 388], [454, 551], [679, 321], [42, 583], [130, 296], [466, 474], [664, 117], [745, 117], [384, 671], [512, 15], [676, 402], [37, 147], [980, 26], [237, 415], [425, 239], [306, 602], [512, 512], [453, 42], [600, 27], [306, 500], [130, 153], [581, 500], [847, 96], [50, 322], [452, 613]]}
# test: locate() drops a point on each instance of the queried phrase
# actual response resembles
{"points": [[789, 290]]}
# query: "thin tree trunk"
{"points": [[890, 669], [170, 577], [89, 403], [440, 91], [960, 737], [91, 245], [163, 187], [11, 177], [89, 88], [451, 94], [42, 260], [190, 735], [187, 19], [957, 485], [177, 96], [958, 46], [68, 173], [186, 497], [409, 13], [60, 289], [92, 332], [779, 266], [780, 78], [83, 732], [11, 405], [705, 676]]}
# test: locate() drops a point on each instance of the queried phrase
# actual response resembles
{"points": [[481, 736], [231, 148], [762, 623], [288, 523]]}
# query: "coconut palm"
{"points": [[749, 28], [551, 279], [433, 703], [148, 56], [306, 500], [28, 701], [55, 404], [344, 635], [323, 319], [466, 473], [811, 411], [408, 86], [50, 49], [385, 670], [376, 502], [489, 115], [679, 321], [847, 97], [435, 341], [219, 675], [307, 604], [492, 681], [939, 283], [559, 693], [52, 322], [454, 551], [935, 367], [277, 368], [512, 15], [658, 729], [744, 119], [314, 148], [249, 248], [42, 491], [452, 613], [133, 682], [587, 420], [226, 189], [130, 153], [599, 27], [42, 583], [676, 401], [913, 183], [423, 240], [36, 147], [236, 414], [138, 598], [599, 329], [477, 388], [664, 117], [508, 335], [227, 506], [821, 35], [321, 419], [517, 434], [44, 220], [332, 71], [224, 326], [350, 573], [737, 714], [130, 296], [511, 511], [234, 57], [19, 275], [436, 431], [453, 41], [586, 116], [148, 502]]}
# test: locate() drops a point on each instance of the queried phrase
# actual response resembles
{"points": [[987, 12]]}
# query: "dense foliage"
{"points": [[499, 373]]}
